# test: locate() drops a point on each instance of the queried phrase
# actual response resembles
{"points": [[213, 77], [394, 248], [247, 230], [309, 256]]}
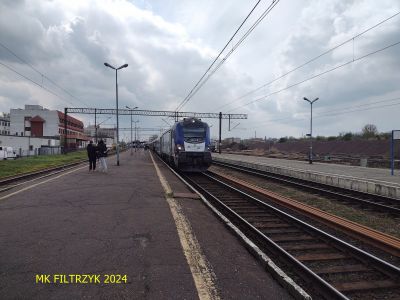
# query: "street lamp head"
{"points": [[108, 65], [123, 66], [304, 98]]}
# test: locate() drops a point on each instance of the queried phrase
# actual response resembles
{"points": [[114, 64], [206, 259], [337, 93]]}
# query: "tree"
{"points": [[346, 136], [283, 140], [369, 131]]}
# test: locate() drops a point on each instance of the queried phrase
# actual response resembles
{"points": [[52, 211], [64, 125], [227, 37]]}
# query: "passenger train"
{"points": [[186, 145]]}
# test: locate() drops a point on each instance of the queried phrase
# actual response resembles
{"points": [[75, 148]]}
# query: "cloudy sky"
{"points": [[169, 44]]}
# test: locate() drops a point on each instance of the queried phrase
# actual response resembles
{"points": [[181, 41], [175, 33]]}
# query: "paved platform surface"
{"points": [[371, 180], [116, 223], [372, 174]]}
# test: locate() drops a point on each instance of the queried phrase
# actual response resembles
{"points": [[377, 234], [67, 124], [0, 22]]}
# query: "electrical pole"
{"points": [[310, 157]]}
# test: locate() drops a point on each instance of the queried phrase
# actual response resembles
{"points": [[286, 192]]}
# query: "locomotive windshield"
{"points": [[193, 132]]}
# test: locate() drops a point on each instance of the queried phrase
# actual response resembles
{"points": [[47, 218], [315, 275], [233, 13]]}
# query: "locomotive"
{"points": [[186, 145]]}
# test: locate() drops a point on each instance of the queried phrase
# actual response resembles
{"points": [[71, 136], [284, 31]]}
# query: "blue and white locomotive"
{"points": [[186, 145]]}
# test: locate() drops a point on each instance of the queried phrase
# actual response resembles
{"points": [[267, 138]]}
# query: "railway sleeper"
{"points": [[342, 269], [260, 216], [320, 256], [251, 209], [365, 285], [231, 202], [307, 246], [241, 206], [268, 224], [268, 231], [298, 238]]}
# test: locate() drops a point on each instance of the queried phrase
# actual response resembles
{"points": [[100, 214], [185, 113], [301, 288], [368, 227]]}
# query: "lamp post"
{"points": [[310, 157], [135, 130], [116, 96], [131, 125]]}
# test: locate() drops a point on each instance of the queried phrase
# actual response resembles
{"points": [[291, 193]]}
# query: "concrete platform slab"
{"points": [[94, 223], [117, 223], [370, 180]]}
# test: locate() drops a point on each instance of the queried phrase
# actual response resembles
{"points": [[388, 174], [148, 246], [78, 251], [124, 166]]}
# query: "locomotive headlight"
{"points": [[180, 147]]}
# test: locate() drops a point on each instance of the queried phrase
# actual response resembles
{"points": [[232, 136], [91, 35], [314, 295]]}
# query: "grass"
{"points": [[36, 163]]}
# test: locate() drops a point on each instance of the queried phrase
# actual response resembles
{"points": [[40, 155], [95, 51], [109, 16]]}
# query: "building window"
{"points": [[22, 134], [30, 147], [27, 129]]}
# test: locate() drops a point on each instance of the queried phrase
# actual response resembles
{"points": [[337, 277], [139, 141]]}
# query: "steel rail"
{"points": [[323, 287], [378, 239], [327, 189], [45, 172], [35, 175], [294, 289]]}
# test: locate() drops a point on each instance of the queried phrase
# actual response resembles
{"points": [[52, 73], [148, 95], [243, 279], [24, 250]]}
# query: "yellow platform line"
{"points": [[202, 272]]}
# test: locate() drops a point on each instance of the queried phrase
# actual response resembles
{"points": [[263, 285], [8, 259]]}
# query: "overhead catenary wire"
{"points": [[317, 75], [42, 75], [204, 78], [223, 49], [234, 47], [310, 61], [36, 83], [335, 112]]}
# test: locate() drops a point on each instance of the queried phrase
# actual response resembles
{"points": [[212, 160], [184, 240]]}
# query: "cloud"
{"points": [[169, 44]]}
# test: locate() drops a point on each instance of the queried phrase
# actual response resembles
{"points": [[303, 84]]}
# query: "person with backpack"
{"points": [[91, 152], [102, 154]]}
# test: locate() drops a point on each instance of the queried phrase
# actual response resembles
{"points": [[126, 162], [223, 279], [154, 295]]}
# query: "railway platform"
{"points": [[370, 180], [119, 235]]}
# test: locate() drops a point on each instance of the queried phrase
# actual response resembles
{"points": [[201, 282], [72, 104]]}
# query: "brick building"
{"points": [[36, 121]]}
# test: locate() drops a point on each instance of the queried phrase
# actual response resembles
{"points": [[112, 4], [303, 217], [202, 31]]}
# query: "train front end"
{"points": [[192, 145]]}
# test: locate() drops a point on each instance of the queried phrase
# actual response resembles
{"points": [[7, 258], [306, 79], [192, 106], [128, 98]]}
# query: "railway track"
{"points": [[9, 183], [330, 268], [351, 197], [16, 181]]}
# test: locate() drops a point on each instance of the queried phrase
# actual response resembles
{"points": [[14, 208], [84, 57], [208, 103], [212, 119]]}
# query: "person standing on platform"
{"points": [[102, 152], [91, 152]]}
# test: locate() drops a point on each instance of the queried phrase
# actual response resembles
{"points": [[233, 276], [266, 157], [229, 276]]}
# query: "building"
{"points": [[108, 135], [36, 121], [231, 140], [101, 133], [27, 146], [5, 124]]}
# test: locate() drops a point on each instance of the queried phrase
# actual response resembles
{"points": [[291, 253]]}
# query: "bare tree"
{"points": [[369, 131]]}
